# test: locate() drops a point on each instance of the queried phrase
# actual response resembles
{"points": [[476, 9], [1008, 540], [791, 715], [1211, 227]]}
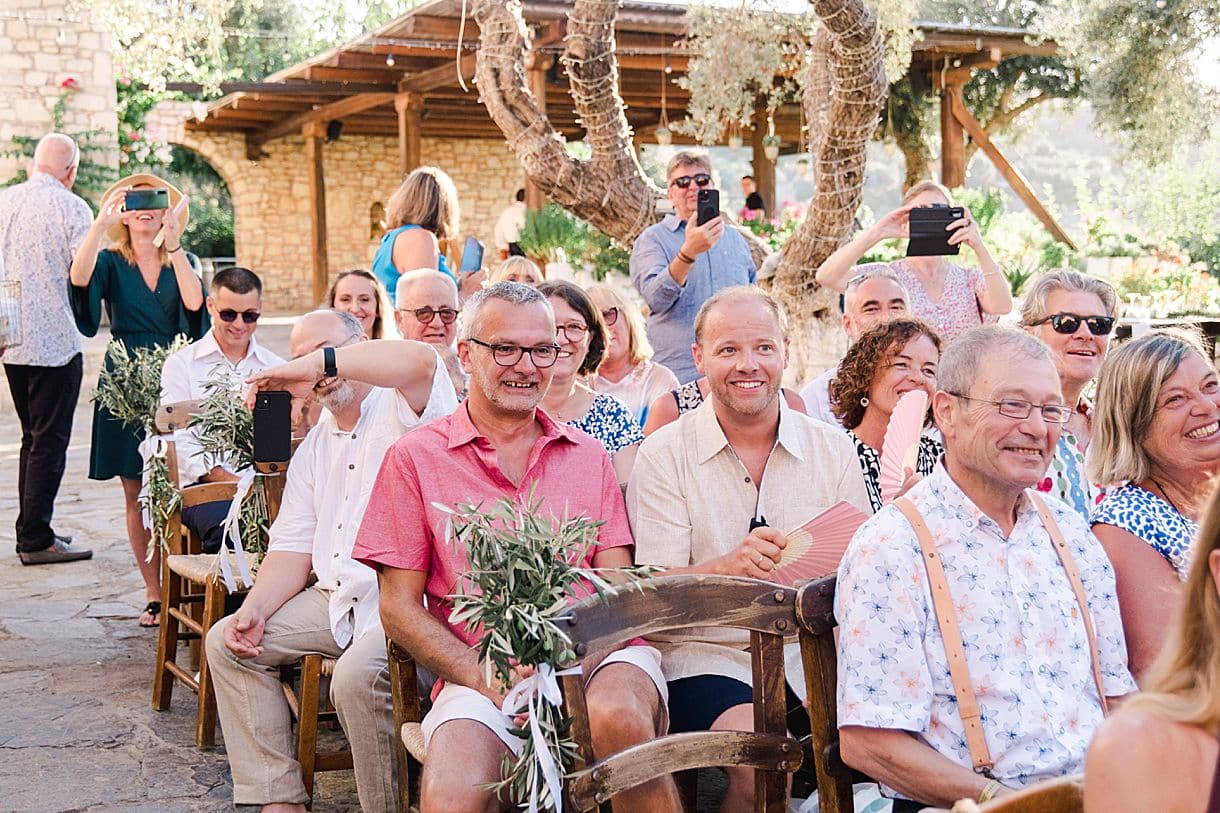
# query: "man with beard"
{"points": [[980, 634], [372, 392], [716, 491]]}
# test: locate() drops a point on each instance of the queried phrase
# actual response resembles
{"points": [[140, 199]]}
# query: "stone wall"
{"points": [[271, 197], [43, 43]]}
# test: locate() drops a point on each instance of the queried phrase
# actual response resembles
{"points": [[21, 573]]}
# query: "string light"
{"points": [[389, 60]]}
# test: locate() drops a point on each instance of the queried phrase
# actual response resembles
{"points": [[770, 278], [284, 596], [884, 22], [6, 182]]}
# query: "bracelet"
{"points": [[682, 256], [174, 249], [989, 791]]}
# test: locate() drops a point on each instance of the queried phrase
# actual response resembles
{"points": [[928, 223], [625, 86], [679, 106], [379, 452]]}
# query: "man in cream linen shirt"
{"points": [[715, 491], [373, 392]]}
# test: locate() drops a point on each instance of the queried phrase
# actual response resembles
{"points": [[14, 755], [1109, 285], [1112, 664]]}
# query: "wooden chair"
{"points": [[1064, 795], [408, 712], [302, 683]]}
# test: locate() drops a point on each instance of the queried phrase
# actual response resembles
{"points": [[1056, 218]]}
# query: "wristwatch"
{"points": [[328, 362]]}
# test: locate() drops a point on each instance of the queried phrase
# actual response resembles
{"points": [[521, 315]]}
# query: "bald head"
{"points": [[325, 326], [57, 155]]}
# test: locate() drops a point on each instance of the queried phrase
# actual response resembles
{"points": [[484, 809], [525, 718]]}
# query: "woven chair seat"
{"points": [[413, 738], [199, 567]]}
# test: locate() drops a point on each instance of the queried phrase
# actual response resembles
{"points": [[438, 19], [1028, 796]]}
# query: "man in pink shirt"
{"points": [[495, 445]]}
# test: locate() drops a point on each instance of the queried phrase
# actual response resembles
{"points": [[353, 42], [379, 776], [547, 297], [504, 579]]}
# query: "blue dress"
{"points": [[1143, 514], [610, 421], [383, 262]]}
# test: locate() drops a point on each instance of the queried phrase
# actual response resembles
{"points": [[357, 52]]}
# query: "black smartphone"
{"points": [[928, 237], [134, 199], [472, 255], [272, 426], [707, 206]]}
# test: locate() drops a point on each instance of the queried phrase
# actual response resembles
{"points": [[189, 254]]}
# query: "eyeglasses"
{"points": [[610, 315], [229, 315], [1069, 323], [573, 331], [425, 314], [1020, 410], [506, 355], [701, 180]]}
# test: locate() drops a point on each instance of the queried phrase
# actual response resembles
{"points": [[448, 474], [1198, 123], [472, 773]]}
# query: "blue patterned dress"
{"points": [[1143, 514], [610, 421]]}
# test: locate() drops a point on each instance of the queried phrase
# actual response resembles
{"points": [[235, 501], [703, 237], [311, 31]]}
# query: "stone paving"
{"points": [[77, 732]]}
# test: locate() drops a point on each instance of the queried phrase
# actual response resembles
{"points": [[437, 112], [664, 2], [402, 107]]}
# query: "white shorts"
{"points": [[456, 702]]}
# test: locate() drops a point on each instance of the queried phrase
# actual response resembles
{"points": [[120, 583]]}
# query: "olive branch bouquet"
{"points": [[129, 388], [526, 569]]}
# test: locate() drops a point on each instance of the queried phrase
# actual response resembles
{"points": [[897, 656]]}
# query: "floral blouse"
{"points": [[1143, 514], [930, 451], [1065, 478], [610, 421], [958, 309]]}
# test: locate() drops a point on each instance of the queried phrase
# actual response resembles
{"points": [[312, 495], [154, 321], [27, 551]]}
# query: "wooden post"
{"points": [[315, 135], [952, 139], [537, 64], [764, 167], [410, 108]]}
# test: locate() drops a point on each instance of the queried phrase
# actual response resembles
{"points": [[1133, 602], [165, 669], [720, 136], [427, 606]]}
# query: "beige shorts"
{"points": [[456, 702]]}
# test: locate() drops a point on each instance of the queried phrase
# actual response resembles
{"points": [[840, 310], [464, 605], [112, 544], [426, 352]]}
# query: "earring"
{"points": [[864, 402]]}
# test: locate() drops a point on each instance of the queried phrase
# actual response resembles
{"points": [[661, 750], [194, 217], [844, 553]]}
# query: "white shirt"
{"points": [[690, 500], [329, 482], [646, 382], [509, 224], [816, 396], [182, 379]]}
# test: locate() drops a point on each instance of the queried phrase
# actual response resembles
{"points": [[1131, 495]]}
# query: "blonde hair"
{"points": [[1033, 308], [915, 190], [689, 158], [607, 296], [427, 198], [739, 293], [1183, 683], [516, 265], [124, 248], [1127, 387]]}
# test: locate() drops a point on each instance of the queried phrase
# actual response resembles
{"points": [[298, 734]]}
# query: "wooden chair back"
{"points": [[1065, 795], [668, 603], [816, 619]]}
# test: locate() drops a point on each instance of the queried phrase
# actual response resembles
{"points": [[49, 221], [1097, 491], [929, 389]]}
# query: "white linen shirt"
{"points": [[329, 482], [691, 500], [182, 379], [1025, 644], [816, 396]]}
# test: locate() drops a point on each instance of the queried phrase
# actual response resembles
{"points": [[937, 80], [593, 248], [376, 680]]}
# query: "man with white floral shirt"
{"points": [[1011, 576]]}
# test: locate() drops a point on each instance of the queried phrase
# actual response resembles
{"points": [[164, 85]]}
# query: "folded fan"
{"points": [[900, 450], [815, 549]]}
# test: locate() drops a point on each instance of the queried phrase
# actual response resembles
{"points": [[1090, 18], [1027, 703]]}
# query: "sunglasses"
{"points": [[230, 315], [425, 314], [1069, 323], [701, 180]]}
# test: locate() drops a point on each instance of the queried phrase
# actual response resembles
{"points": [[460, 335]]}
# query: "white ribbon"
{"points": [[540, 686], [152, 446], [245, 479]]}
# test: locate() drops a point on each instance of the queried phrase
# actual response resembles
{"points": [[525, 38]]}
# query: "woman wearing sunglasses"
{"points": [[1073, 315], [950, 298], [152, 292], [628, 372], [1156, 446]]}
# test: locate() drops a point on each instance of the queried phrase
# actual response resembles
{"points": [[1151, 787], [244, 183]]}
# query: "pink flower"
{"points": [[70, 84], [134, 135]]}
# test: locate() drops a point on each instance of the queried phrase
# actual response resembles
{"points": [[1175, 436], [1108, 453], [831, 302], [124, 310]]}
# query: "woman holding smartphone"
{"points": [[152, 292], [950, 298]]}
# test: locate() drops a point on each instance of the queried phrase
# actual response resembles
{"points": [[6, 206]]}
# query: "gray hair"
{"points": [[514, 293], [689, 158], [960, 362], [884, 272], [418, 275], [1127, 387], [739, 293], [56, 152], [1033, 309], [354, 329]]}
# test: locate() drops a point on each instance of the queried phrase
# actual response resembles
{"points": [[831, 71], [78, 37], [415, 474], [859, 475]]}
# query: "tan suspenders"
{"points": [[946, 619]]}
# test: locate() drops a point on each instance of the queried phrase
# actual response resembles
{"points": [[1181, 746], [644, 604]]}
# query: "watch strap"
{"points": [[328, 362]]}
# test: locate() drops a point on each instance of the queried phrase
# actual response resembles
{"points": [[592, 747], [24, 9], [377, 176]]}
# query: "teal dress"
{"points": [[141, 318], [383, 263]]}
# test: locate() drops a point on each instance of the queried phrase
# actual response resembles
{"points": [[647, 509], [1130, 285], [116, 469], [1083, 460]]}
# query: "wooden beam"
{"points": [[440, 76], [952, 141], [290, 86], [315, 136], [1011, 174], [537, 64], [410, 108], [764, 167], [327, 112], [384, 73]]}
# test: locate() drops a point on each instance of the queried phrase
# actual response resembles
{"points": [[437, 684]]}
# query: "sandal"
{"points": [[152, 608]]}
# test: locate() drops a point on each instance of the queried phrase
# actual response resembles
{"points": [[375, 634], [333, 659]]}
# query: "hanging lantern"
{"points": [[664, 136], [771, 151], [735, 139]]}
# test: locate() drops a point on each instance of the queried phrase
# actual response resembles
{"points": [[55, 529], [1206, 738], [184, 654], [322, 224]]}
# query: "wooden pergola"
{"points": [[405, 80]]}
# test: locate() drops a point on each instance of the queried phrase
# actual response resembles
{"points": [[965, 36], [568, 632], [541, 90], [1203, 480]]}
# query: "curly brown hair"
{"points": [[864, 359]]}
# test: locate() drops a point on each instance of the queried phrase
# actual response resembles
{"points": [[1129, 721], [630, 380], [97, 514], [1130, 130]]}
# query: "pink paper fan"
{"points": [[900, 451], [816, 548]]}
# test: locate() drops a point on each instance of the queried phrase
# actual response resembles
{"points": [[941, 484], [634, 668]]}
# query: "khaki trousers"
{"points": [[257, 723]]}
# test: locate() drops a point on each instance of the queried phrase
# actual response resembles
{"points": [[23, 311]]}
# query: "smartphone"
{"points": [[472, 255], [272, 426], [928, 237], [134, 199], [707, 205]]}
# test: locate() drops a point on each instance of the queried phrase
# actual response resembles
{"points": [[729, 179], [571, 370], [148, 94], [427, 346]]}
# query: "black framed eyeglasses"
{"points": [[506, 355], [572, 331], [610, 315], [230, 315], [1020, 410], [426, 314], [700, 179], [1069, 323]]}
